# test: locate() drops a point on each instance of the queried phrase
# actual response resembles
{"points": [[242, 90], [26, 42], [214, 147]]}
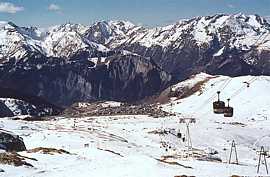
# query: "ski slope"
{"points": [[125, 146]]}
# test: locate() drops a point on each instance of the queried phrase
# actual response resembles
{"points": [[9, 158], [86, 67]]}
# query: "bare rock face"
{"points": [[5, 111], [191, 58], [11, 142], [64, 82]]}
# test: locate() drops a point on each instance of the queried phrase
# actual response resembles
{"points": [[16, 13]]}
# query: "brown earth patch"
{"points": [[50, 151], [15, 159]]}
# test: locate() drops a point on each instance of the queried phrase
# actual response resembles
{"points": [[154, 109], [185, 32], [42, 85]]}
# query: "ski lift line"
{"points": [[243, 87], [266, 79], [221, 88]]}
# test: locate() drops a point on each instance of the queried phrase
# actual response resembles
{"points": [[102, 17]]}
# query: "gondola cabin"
{"points": [[218, 106], [228, 111]]}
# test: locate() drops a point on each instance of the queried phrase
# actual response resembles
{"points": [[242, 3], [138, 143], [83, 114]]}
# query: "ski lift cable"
{"points": [[241, 88], [237, 92], [221, 88]]}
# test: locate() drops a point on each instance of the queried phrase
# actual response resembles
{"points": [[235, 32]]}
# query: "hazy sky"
{"points": [[147, 12]]}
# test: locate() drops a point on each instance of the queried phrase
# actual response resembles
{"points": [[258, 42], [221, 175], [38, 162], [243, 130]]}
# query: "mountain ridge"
{"points": [[123, 31], [120, 61]]}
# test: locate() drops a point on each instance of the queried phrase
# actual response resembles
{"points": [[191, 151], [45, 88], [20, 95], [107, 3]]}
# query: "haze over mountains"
{"points": [[120, 61]]}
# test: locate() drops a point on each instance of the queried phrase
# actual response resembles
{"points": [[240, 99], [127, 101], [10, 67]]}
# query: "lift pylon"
{"points": [[233, 149], [262, 154]]}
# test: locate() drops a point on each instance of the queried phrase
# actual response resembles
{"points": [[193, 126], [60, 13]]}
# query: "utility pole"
{"points": [[262, 153], [233, 148]]}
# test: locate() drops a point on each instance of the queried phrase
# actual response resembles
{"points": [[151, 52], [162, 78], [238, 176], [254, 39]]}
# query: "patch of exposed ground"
{"points": [[111, 151], [15, 159], [178, 93], [184, 92], [50, 151], [172, 163]]}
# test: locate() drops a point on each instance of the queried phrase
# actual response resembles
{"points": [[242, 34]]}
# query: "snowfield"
{"points": [[129, 146]]}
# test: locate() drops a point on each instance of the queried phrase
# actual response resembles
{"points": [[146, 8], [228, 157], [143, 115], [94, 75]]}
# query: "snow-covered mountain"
{"points": [[241, 31], [112, 33], [65, 40], [209, 44], [107, 60], [245, 32], [58, 41]]}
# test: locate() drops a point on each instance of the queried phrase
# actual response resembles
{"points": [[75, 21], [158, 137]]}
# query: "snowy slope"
{"points": [[250, 125], [126, 145], [242, 97]]}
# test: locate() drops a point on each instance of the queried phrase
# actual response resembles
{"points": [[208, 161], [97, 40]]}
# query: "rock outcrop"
{"points": [[10, 142]]}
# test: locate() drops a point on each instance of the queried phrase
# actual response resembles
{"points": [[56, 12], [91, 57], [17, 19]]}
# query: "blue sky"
{"points": [[147, 12]]}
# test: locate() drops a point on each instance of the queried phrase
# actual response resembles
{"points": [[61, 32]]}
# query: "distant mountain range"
{"points": [[120, 61]]}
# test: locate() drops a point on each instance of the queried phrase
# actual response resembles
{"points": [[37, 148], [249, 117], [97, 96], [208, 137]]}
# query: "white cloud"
{"points": [[54, 7], [7, 7]]}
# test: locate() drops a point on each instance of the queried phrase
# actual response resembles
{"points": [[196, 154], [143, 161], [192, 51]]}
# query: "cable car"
{"points": [[228, 111], [179, 135], [219, 106], [247, 84]]}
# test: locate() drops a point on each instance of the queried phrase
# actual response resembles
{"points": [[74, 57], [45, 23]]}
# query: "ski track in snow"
{"points": [[136, 150]]}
